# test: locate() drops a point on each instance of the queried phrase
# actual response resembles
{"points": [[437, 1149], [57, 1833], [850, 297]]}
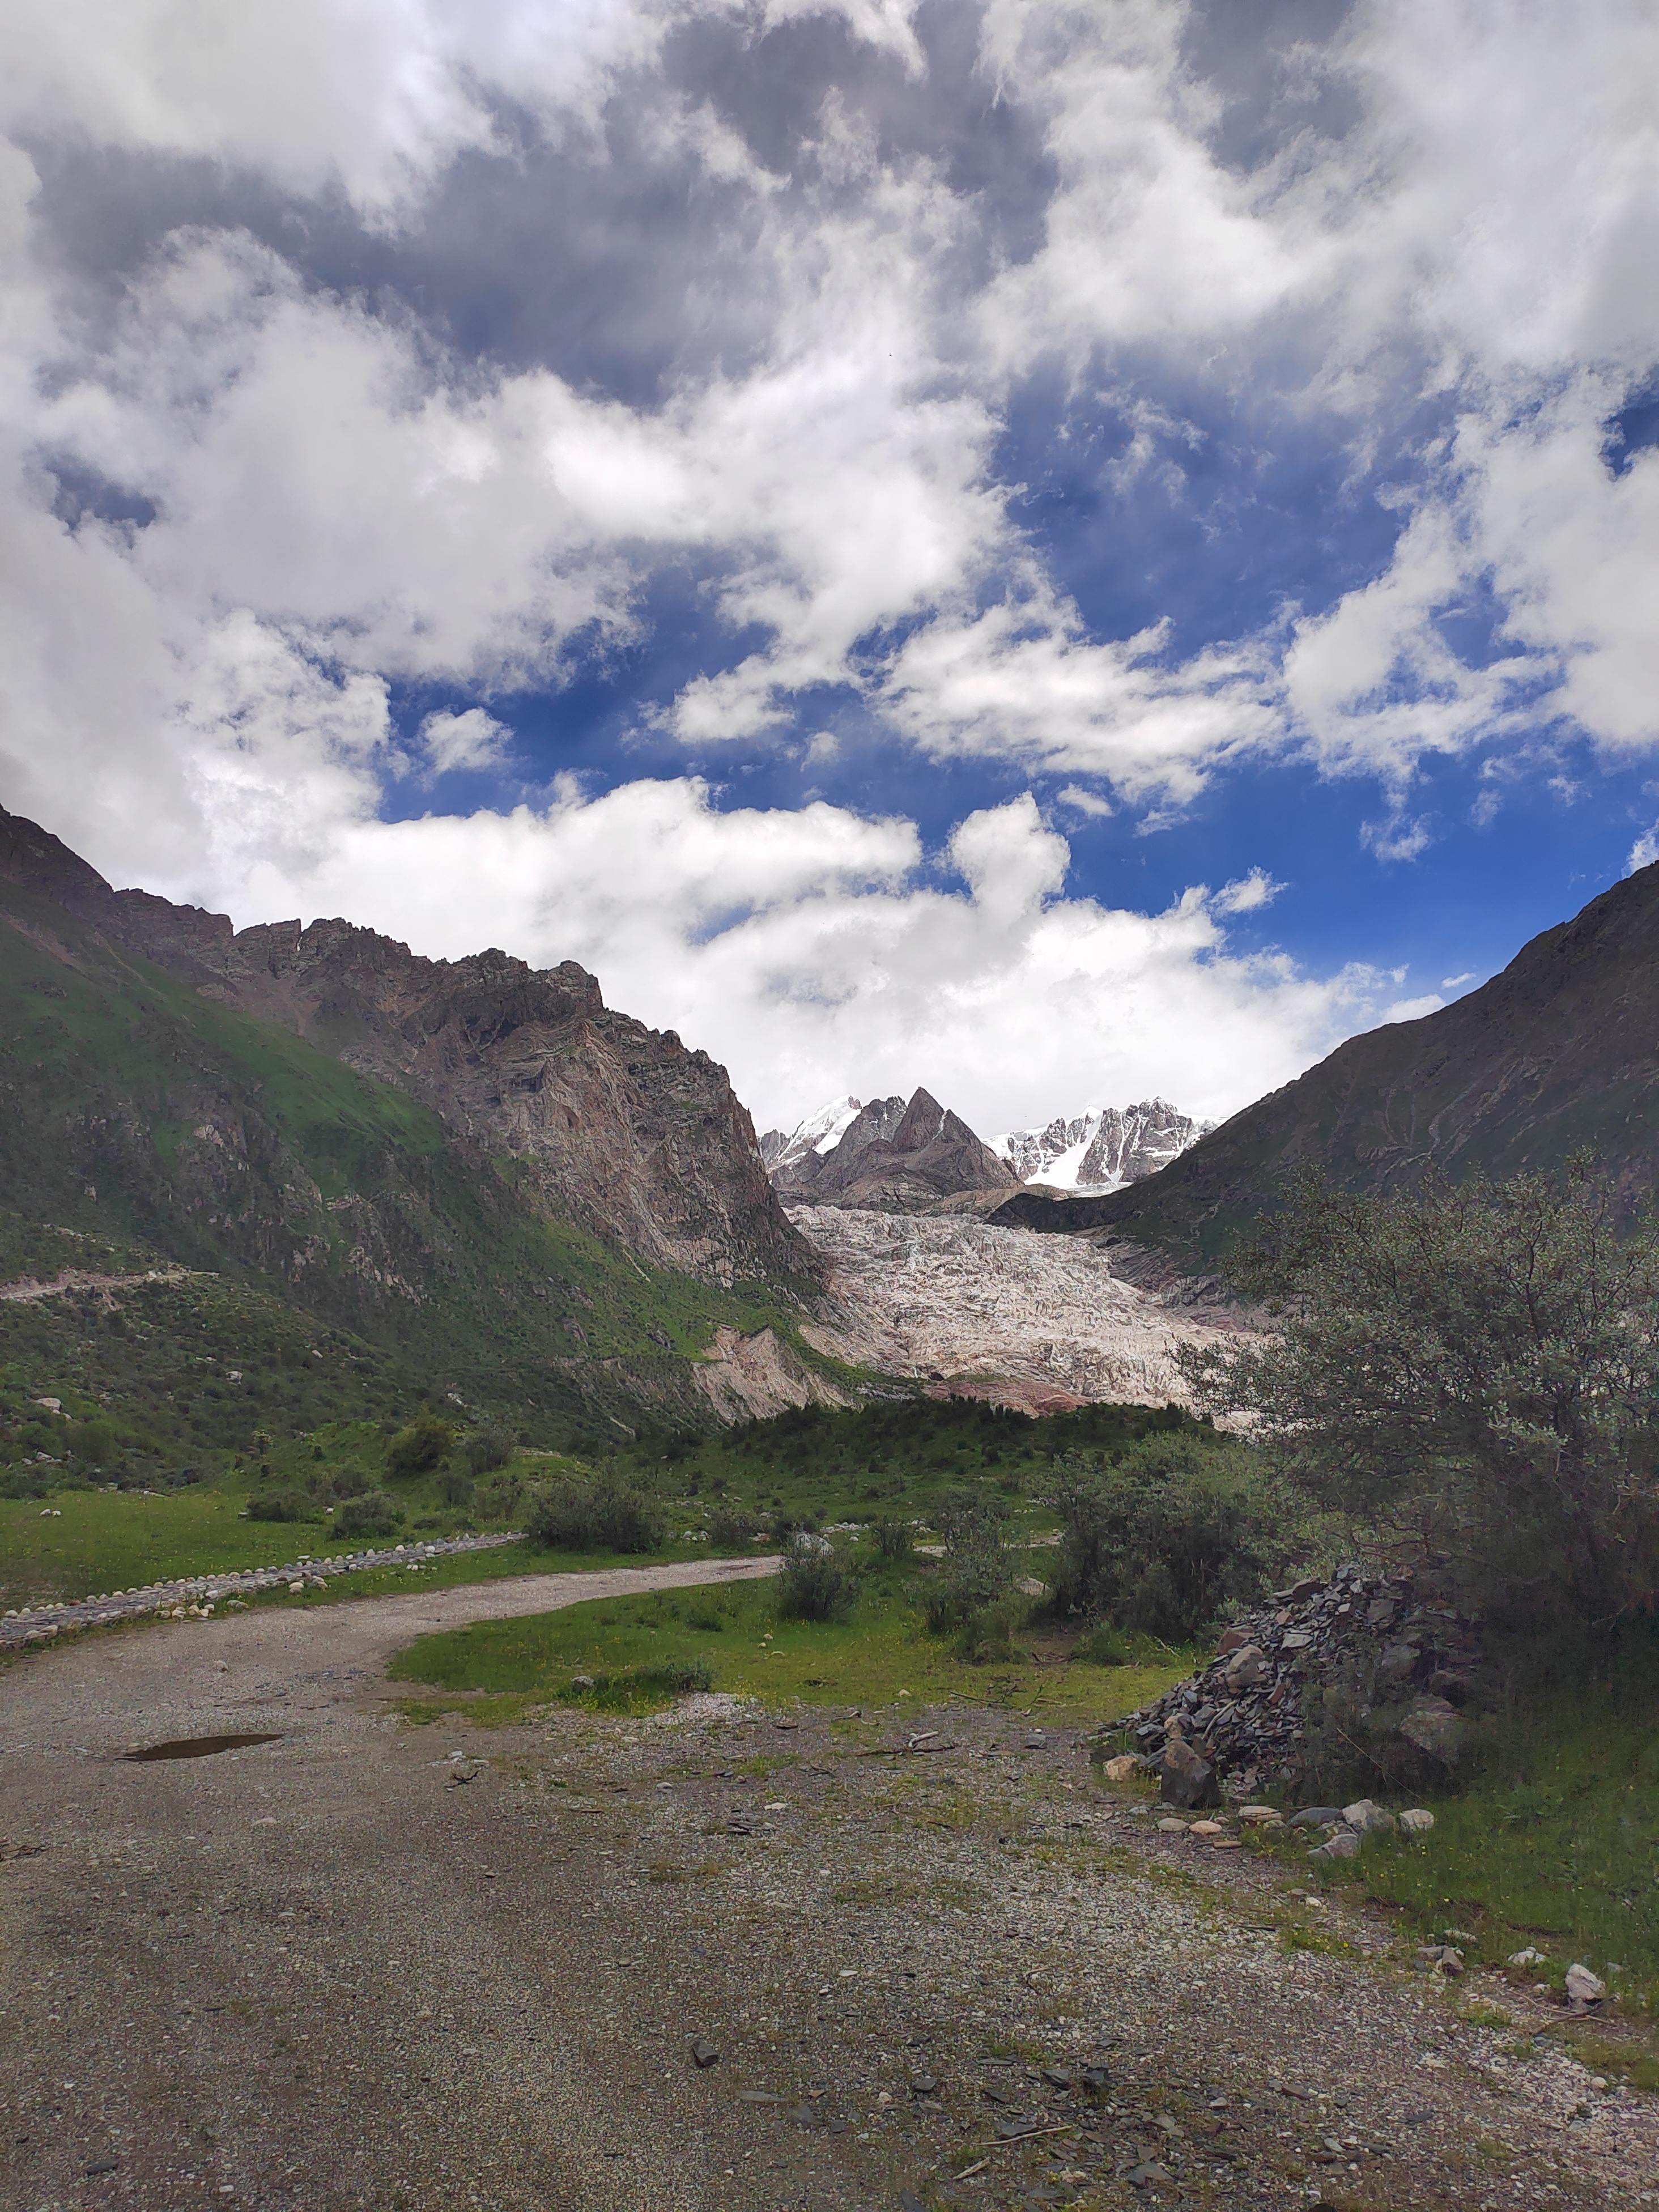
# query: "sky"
{"points": [[1059, 553]]}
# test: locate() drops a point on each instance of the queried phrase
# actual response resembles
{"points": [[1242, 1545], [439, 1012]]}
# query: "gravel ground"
{"points": [[346, 1968]]}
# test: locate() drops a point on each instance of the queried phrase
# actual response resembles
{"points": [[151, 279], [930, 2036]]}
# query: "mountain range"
{"points": [[911, 1156], [1102, 1148], [475, 1163], [1557, 1054]]}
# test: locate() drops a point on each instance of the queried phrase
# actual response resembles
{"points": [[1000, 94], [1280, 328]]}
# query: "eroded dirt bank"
{"points": [[322, 1972]]}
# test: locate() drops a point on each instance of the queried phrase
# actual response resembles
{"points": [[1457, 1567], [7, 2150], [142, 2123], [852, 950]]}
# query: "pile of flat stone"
{"points": [[1379, 1642], [197, 1596]]}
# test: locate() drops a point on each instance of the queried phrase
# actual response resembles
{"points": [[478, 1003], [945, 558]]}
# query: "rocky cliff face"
{"points": [[1556, 1054], [895, 1157], [618, 1126], [1100, 1149]]}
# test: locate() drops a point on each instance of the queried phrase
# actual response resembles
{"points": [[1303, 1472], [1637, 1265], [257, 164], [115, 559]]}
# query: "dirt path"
{"points": [[324, 1973]]}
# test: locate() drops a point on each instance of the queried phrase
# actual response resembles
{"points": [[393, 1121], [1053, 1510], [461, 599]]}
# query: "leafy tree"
{"points": [[1478, 1366], [1158, 1540]]}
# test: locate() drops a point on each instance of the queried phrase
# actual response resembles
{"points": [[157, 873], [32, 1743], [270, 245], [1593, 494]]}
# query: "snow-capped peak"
{"points": [[819, 1133], [1100, 1149]]}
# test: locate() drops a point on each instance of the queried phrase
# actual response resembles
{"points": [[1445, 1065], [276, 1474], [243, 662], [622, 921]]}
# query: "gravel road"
{"points": [[938, 1965]]}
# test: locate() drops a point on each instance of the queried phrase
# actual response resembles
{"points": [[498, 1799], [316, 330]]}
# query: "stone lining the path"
{"points": [[193, 1595]]}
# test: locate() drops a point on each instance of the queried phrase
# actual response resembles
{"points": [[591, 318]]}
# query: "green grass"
{"points": [[1554, 1843], [900, 1455], [108, 1541], [879, 1655]]}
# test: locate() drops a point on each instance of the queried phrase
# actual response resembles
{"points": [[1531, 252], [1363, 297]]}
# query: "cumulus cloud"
{"points": [[473, 739], [813, 948]]}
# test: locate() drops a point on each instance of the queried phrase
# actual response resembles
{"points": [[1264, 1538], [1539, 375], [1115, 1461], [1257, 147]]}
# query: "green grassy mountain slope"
{"points": [[173, 1129], [1558, 1052]]}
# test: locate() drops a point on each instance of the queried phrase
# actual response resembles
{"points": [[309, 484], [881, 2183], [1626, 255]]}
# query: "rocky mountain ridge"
{"points": [[1555, 1054], [891, 1157], [623, 1127]]}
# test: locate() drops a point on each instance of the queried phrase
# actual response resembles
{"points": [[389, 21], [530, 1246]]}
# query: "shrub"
{"points": [[279, 1505], [1159, 1539], [455, 1487], [785, 1525], [893, 1539], [674, 1678], [977, 1571], [731, 1529], [417, 1448], [373, 1514], [605, 1516], [93, 1440], [500, 1497], [489, 1447], [812, 1583], [1478, 1364]]}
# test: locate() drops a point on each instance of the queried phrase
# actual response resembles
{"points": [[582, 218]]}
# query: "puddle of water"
{"points": [[199, 1746]]}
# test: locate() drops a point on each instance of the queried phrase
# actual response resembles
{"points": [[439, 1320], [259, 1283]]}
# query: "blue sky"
{"points": [[1056, 553]]}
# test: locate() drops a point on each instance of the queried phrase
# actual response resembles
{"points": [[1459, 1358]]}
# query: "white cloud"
{"points": [[1413, 1010], [813, 950], [1645, 851], [1248, 896], [474, 740]]}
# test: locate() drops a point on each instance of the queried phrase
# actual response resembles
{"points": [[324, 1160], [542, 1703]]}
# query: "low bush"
{"points": [[489, 1447], [1160, 1539], [373, 1514], [605, 1516], [731, 1529], [634, 1685], [455, 1486], [813, 1583], [417, 1448], [893, 1539], [500, 1497], [280, 1505]]}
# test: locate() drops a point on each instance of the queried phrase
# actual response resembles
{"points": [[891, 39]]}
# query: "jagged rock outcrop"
{"points": [[898, 1157], [620, 1127], [1102, 1149]]}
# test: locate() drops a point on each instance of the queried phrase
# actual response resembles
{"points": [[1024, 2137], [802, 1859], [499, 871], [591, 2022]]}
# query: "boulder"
{"points": [[1583, 1988], [1416, 1820], [1436, 1728], [1367, 1818], [1123, 1768], [1344, 1845], [1184, 1778]]}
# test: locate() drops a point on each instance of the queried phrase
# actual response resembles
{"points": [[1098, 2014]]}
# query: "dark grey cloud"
{"points": [[613, 257]]}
